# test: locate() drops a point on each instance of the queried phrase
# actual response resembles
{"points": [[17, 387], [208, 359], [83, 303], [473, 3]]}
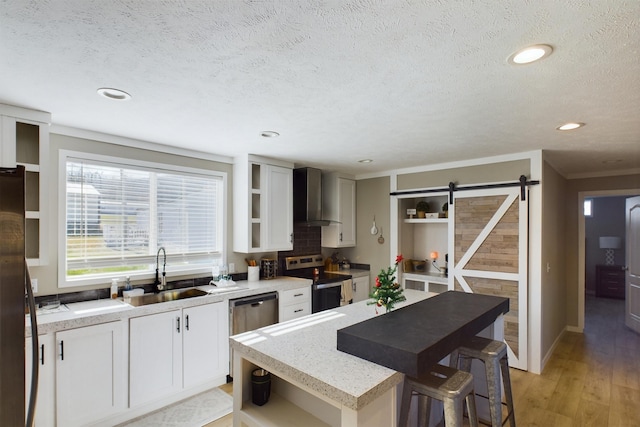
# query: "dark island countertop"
{"points": [[413, 338]]}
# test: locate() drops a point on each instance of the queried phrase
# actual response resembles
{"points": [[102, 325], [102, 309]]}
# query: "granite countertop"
{"points": [[304, 351], [355, 272], [87, 313]]}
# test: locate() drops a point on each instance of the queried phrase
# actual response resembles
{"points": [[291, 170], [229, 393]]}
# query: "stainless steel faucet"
{"points": [[161, 282]]}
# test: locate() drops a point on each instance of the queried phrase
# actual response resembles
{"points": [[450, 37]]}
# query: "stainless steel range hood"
{"points": [[307, 197]]}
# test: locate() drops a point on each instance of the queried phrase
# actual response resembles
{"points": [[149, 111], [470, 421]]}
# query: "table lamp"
{"points": [[609, 243], [434, 259]]}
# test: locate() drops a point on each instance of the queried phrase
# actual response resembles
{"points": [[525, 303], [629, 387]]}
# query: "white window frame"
{"points": [[584, 208], [172, 271]]}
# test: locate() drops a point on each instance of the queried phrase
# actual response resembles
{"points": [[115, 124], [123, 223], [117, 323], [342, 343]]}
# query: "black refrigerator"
{"points": [[14, 277]]}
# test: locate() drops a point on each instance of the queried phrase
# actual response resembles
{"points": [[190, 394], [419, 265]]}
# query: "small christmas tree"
{"points": [[386, 292]]}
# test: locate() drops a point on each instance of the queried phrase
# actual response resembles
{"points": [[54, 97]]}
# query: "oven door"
{"points": [[325, 296]]}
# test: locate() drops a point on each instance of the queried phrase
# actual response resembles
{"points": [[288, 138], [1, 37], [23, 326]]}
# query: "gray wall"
{"points": [[553, 284], [48, 275]]}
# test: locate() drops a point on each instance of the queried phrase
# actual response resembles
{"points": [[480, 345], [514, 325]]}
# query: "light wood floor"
{"points": [[592, 379]]}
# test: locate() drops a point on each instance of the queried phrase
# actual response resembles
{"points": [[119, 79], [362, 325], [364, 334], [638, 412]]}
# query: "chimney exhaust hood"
{"points": [[307, 197]]}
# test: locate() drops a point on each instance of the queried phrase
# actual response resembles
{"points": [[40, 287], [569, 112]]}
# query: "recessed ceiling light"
{"points": [[530, 54], [115, 94], [570, 126], [269, 134], [612, 161], [365, 161]]}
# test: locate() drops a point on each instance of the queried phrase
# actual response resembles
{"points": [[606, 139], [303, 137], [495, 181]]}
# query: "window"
{"points": [[118, 214], [588, 207]]}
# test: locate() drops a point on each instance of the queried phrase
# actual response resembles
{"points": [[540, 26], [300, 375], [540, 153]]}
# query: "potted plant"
{"points": [[421, 208], [445, 209]]}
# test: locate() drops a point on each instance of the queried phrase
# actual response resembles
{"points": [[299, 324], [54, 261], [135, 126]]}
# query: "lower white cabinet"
{"points": [[294, 303], [360, 288], [205, 343], [45, 402], [178, 349], [90, 373], [155, 356]]}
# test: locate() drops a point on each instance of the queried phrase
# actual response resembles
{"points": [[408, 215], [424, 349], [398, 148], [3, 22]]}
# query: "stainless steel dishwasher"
{"points": [[249, 313]]}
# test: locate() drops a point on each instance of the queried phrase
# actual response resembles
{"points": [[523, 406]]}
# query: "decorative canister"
{"points": [[269, 268]]}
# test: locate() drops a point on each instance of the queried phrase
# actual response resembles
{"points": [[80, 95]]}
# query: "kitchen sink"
{"points": [[165, 296]]}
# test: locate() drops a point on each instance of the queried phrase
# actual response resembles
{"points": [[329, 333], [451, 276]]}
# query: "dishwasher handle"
{"points": [[254, 301]]}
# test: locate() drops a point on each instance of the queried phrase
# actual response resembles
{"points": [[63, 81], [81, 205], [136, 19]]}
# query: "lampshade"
{"points": [[610, 242]]}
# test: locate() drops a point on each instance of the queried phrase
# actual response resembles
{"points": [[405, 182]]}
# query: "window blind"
{"points": [[118, 216]]}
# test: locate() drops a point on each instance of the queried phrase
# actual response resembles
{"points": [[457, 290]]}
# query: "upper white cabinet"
{"points": [[339, 206], [24, 140], [262, 205]]}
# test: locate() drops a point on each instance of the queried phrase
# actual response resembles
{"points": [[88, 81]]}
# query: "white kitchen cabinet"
{"points": [[177, 350], [155, 356], [360, 288], [339, 206], [24, 140], [45, 402], [425, 282], [294, 303], [205, 343], [90, 373], [262, 205]]}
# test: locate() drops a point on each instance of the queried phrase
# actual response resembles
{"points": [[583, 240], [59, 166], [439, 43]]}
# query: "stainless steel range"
{"points": [[327, 287]]}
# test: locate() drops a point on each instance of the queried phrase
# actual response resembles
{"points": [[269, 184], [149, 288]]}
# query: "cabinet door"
{"points": [[205, 343], [45, 409], [361, 289], [155, 356], [339, 204], [279, 200], [90, 374], [347, 202]]}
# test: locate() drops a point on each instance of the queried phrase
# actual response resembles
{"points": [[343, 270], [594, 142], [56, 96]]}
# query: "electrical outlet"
{"points": [[232, 268], [34, 285]]}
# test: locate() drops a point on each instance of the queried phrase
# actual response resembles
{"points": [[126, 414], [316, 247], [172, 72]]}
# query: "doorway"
{"points": [[582, 252]]}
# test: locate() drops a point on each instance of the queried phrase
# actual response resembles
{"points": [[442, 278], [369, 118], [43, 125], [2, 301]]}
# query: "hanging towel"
{"points": [[346, 296]]}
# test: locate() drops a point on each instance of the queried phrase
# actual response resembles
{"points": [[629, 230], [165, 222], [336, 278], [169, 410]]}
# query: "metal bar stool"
{"points": [[494, 356], [443, 383]]}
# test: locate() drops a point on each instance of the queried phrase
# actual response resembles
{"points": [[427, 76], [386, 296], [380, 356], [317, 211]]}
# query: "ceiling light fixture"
{"points": [[365, 161], [269, 134], [115, 94], [530, 54], [570, 126]]}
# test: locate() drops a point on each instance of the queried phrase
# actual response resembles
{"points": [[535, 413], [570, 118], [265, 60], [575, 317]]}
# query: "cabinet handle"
{"points": [[298, 295], [298, 310], [291, 238], [42, 354], [186, 322], [61, 349], [341, 237], [178, 324]]}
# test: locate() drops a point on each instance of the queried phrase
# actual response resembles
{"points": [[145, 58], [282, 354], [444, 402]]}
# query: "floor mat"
{"points": [[193, 412]]}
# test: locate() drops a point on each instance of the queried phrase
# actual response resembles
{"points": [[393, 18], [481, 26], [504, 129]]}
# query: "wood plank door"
{"points": [[489, 239], [632, 315]]}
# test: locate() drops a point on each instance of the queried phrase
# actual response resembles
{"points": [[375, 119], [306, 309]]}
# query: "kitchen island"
{"points": [[314, 383]]}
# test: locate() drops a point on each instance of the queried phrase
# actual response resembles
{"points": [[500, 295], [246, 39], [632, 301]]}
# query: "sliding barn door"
{"points": [[490, 256]]}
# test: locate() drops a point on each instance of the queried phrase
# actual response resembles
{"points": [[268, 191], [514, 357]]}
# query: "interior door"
{"points": [[490, 245], [632, 315]]}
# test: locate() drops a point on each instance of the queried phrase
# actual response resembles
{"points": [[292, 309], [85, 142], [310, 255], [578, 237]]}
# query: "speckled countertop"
{"points": [[304, 352], [88, 313], [353, 272]]}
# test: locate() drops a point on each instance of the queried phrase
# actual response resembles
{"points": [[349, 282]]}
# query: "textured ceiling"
{"points": [[405, 83]]}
